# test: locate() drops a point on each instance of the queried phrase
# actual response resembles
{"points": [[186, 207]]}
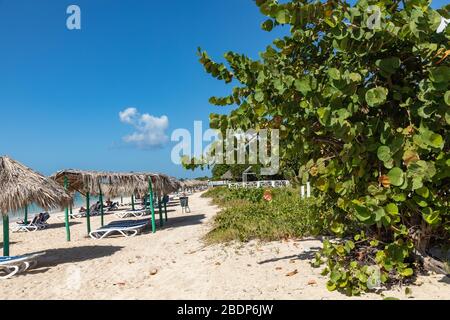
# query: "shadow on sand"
{"points": [[173, 204], [306, 255], [184, 221], [61, 225], [54, 257], [10, 243], [445, 279]]}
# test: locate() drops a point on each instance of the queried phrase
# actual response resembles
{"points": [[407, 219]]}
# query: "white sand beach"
{"points": [[175, 263]]}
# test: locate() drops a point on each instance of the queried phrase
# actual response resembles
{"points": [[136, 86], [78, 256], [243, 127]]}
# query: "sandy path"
{"points": [[119, 268]]}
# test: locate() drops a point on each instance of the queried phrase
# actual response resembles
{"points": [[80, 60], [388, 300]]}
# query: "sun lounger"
{"points": [[127, 229], [76, 215], [131, 213], [38, 223], [9, 266]]}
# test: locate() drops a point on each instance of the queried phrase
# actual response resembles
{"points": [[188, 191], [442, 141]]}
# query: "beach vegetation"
{"points": [[247, 215], [363, 111]]}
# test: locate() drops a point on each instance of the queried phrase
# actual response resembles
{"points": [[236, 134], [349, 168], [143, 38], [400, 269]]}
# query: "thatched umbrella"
{"points": [[20, 187], [193, 183], [164, 185], [113, 184], [176, 184]]}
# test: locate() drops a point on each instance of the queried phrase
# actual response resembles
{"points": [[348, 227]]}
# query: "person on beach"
{"points": [[112, 205]]}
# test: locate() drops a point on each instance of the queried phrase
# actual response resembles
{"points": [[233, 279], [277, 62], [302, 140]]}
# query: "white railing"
{"points": [[260, 184], [217, 183]]}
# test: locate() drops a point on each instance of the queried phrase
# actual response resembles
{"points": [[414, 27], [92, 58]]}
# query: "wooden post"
{"points": [[88, 213], [132, 202], [161, 221], [66, 212], [6, 235], [165, 207], [150, 193], [102, 211], [25, 219]]}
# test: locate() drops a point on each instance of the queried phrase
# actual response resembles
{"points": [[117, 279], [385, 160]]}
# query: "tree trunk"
{"points": [[422, 239]]}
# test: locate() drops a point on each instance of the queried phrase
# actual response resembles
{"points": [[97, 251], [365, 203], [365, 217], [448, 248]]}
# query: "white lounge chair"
{"points": [[124, 228], [77, 215], [132, 213], [36, 224], [9, 266]]}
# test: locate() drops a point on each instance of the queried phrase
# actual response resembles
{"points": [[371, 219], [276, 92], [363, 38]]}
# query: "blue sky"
{"points": [[61, 91]]}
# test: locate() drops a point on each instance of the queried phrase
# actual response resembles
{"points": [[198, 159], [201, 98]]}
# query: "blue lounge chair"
{"points": [[129, 228], [9, 266]]}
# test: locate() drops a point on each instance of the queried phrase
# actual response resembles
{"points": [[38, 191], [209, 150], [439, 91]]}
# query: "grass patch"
{"points": [[246, 215]]}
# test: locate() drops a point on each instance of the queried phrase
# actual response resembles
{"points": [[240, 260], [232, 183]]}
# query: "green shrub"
{"points": [[363, 114], [224, 194], [247, 216]]}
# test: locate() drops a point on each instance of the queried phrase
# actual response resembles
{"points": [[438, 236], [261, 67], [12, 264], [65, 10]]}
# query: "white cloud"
{"points": [[127, 115], [150, 131]]}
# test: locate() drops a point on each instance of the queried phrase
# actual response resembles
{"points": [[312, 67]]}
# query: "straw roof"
{"points": [[113, 184], [227, 175], [163, 185], [193, 183], [20, 187]]}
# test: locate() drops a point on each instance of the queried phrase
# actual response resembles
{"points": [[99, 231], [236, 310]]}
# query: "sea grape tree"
{"points": [[361, 97]]}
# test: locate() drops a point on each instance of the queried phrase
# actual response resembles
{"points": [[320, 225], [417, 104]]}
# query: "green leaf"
{"points": [[384, 153], [331, 286], [374, 243], [407, 272], [420, 201], [379, 214], [282, 16], [267, 25], [355, 77], [392, 209], [447, 98], [432, 217], [337, 228], [334, 74], [259, 110], [424, 192], [436, 141], [349, 245], [447, 117], [335, 276], [362, 213], [376, 96], [388, 66], [324, 115], [396, 176], [302, 85], [322, 184], [399, 197], [440, 74], [259, 96]]}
